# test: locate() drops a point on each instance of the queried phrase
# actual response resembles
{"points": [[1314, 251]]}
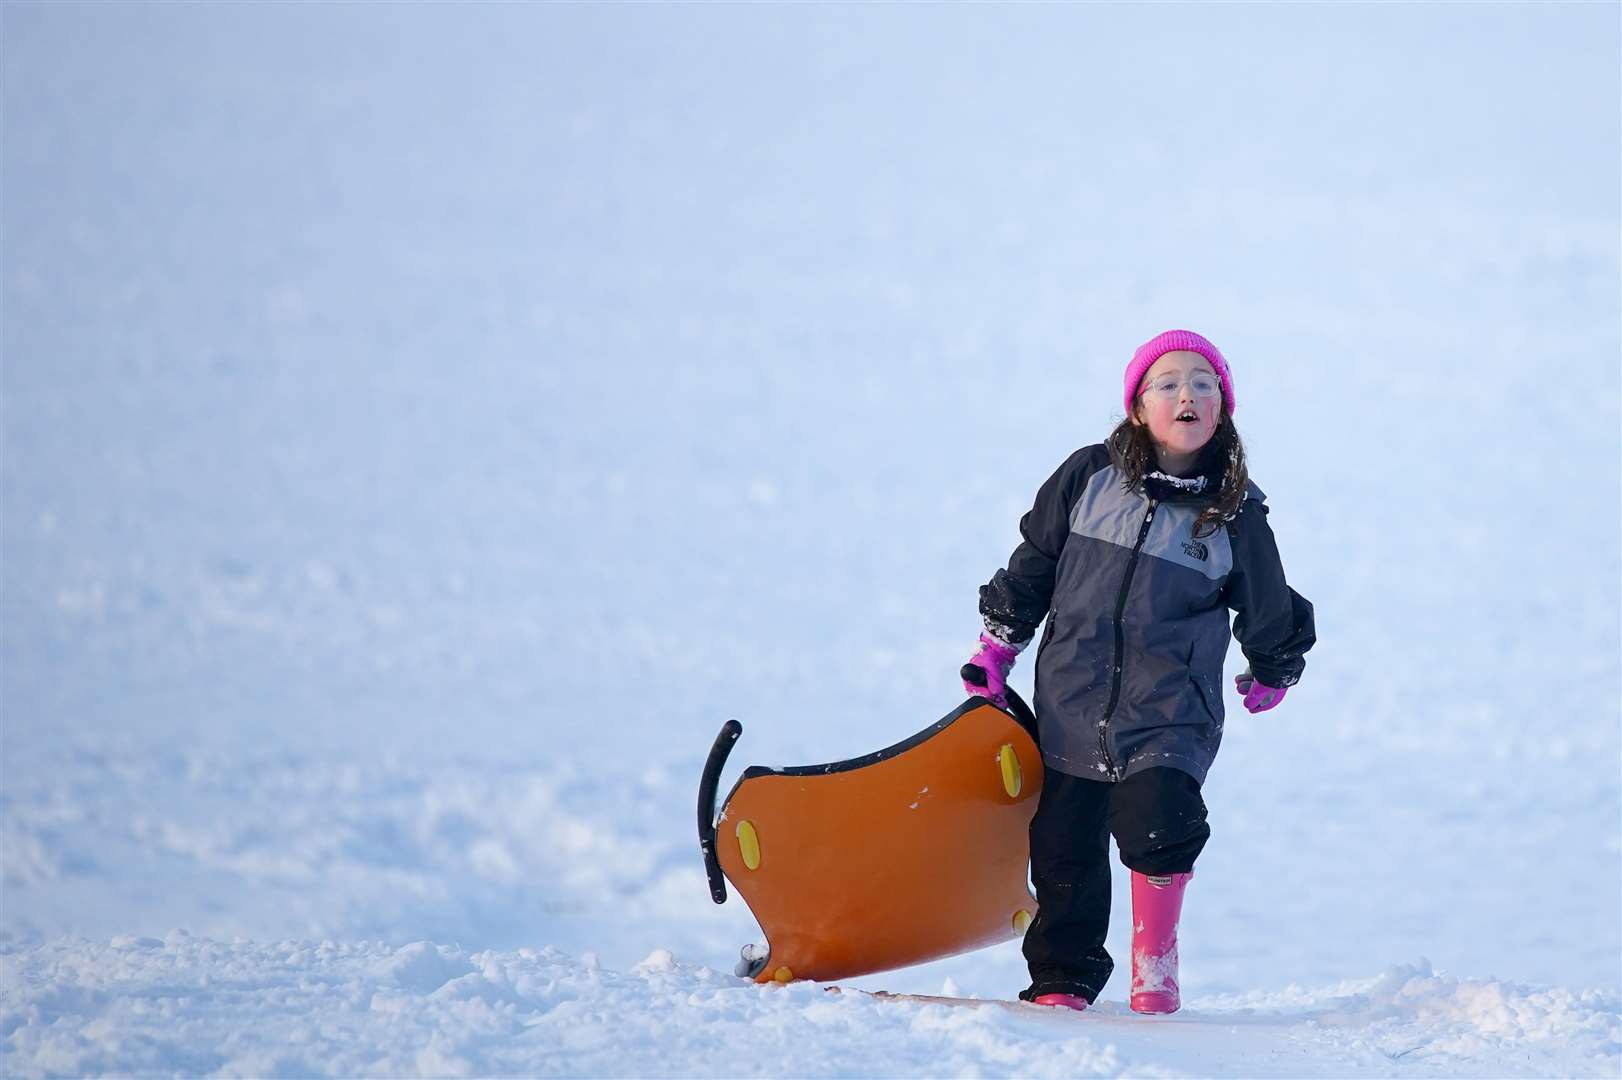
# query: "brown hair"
{"points": [[1134, 454]]}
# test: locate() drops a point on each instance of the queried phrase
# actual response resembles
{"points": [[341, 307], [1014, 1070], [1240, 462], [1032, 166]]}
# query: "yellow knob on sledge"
{"points": [[783, 975], [1022, 921], [749, 845], [1011, 778]]}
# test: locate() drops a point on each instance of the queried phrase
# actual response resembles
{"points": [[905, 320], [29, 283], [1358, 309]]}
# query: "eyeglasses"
{"points": [[1166, 386]]}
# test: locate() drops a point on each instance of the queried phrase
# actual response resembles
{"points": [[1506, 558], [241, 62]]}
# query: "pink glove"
{"points": [[996, 660], [1259, 697]]}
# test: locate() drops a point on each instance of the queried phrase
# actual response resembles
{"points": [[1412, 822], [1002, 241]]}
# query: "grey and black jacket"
{"points": [[1129, 672]]}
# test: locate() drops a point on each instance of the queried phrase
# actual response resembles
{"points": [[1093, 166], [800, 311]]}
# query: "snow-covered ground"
{"points": [[298, 1008], [422, 426]]}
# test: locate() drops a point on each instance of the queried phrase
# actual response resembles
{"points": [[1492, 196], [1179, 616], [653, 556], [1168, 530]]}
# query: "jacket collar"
{"points": [[1200, 482]]}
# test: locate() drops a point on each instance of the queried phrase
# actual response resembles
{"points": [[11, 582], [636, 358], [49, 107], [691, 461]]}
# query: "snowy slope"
{"points": [[362, 1009], [420, 428]]}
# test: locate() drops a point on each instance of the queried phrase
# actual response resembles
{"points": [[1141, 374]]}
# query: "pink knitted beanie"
{"points": [[1174, 341]]}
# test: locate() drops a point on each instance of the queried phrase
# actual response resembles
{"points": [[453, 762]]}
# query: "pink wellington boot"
{"points": [[1062, 1001], [1157, 903]]}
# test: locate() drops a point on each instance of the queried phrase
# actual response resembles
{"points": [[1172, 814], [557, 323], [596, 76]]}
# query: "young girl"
{"points": [[1134, 551]]}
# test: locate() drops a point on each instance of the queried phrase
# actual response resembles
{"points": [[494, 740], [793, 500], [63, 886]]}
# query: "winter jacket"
{"points": [[1129, 672]]}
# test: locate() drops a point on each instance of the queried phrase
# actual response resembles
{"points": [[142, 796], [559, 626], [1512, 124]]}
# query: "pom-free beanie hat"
{"points": [[1174, 341]]}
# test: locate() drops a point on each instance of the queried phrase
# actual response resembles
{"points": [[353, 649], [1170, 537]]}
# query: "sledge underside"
{"points": [[910, 854]]}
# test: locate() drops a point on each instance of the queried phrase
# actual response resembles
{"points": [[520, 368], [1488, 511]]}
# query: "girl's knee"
{"points": [[1159, 821]]}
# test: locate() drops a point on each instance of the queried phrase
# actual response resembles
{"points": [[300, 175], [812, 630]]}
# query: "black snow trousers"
{"points": [[1158, 820]]}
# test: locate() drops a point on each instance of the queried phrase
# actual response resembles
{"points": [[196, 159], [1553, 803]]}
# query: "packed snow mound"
{"points": [[1411, 1012], [196, 1006], [1478, 1017]]}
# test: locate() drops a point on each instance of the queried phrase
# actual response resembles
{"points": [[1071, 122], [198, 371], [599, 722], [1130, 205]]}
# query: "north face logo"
{"points": [[1196, 550]]}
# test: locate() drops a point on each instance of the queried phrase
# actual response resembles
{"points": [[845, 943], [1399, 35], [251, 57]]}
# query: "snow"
{"points": [[419, 433], [1196, 483], [367, 1009]]}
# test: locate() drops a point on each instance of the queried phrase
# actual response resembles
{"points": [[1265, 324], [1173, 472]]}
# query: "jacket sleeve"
{"points": [[1015, 600], [1272, 621]]}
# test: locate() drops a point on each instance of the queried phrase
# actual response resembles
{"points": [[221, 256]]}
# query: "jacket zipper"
{"points": [[1120, 641]]}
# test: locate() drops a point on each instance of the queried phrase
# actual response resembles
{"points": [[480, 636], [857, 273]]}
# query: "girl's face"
{"points": [[1181, 421]]}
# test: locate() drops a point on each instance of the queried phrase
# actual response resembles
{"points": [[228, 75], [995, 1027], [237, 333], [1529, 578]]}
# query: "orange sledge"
{"points": [[909, 854]]}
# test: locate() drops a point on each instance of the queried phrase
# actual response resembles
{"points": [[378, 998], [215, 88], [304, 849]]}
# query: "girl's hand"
{"points": [[996, 660], [1259, 697]]}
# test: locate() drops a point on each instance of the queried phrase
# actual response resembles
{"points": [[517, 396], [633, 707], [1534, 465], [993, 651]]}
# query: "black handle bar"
{"points": [[706, 806]]}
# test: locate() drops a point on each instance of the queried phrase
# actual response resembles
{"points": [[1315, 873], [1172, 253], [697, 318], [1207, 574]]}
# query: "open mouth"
{"points": [[1188, 416]]}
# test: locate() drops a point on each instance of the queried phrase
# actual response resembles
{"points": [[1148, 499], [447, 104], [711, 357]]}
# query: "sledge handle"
{"points": [[975, 675], [706, 806]]}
